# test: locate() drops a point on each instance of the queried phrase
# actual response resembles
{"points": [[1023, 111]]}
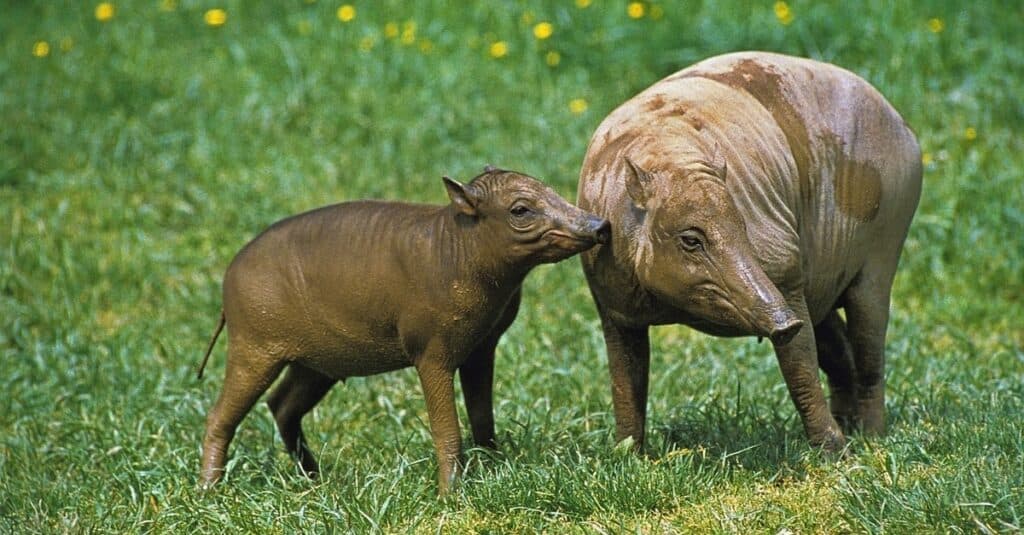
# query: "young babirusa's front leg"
{"points": [[439, 391], [477, 376]]}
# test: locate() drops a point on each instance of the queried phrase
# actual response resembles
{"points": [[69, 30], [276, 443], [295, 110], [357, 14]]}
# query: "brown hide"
{"points": [[367, 287]]}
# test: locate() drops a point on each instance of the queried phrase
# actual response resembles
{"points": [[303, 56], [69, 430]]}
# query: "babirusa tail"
{"points": [[209, 348]]}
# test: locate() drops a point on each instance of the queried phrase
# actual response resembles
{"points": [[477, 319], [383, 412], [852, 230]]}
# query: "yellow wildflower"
{"points": [[346, 13], [543, 30], [577, 106], [41, 49], [104, 11], [168, 5], [552, 58], [783, 13], [582, 4], [635, 10], [215, 17], [66, 44], [499, 49], [391, 30], [408, 32], [657, 12], [970, 134], [426, 46], [936, 25], [926, 158]]}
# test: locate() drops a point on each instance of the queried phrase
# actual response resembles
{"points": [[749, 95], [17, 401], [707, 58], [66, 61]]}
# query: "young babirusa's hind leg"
{"points": [[245, 380], [297, 393], [835, 357]]}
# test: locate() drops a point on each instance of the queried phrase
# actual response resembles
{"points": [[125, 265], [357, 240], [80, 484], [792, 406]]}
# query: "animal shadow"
{"points": [[752, 437]]}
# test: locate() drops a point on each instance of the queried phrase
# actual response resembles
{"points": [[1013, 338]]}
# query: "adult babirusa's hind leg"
{"points": [[246, 378], [297, 393], [866, 302], [835, 356]]}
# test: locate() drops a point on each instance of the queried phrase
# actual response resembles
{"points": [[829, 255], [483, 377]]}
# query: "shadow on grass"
{"points": [[750, 434]]}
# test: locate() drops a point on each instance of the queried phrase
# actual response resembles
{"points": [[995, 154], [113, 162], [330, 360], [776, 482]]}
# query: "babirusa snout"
{"points": [[775, 321], [587, 226], [601, 229], [767, 312], [785, 326]]}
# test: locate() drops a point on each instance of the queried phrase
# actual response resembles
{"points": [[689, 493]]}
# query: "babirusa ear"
{"points": [[461, 198], [717, 161], [637, 182]]}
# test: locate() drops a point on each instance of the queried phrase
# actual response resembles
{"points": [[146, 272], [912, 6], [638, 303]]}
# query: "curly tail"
{"points": [[209, 348]]}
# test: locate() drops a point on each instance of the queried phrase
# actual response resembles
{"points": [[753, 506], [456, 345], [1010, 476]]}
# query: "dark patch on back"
{"points": [[857, 185], [655, 103], [679, 110], [683, 110], [858, 189], [765, 85], [696, 122]]}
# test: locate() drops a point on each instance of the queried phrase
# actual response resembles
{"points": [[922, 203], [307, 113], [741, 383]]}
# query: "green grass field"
{"points": [[140, 152]]}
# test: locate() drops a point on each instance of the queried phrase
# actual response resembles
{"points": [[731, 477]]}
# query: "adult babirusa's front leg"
{"points": [[629, 356], [438, 385], [799, 364]]}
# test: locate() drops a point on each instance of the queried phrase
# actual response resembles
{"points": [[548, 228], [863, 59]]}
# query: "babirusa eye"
{"points": [[519, 210], [691, 240]]}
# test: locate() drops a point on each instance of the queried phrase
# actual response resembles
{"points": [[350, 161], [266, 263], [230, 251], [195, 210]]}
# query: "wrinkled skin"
{"points": [[754, 194], [367, 287]]}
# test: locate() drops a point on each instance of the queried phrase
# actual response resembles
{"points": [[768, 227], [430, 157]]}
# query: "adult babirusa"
{"points": [[754, 194]]}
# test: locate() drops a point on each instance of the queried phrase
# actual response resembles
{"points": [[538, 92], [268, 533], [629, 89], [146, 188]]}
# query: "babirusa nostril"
{"points": [[783, 334], [603, 232]]}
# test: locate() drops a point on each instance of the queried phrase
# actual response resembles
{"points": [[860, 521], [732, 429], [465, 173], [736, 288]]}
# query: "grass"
{"points": [[139, 154]]}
